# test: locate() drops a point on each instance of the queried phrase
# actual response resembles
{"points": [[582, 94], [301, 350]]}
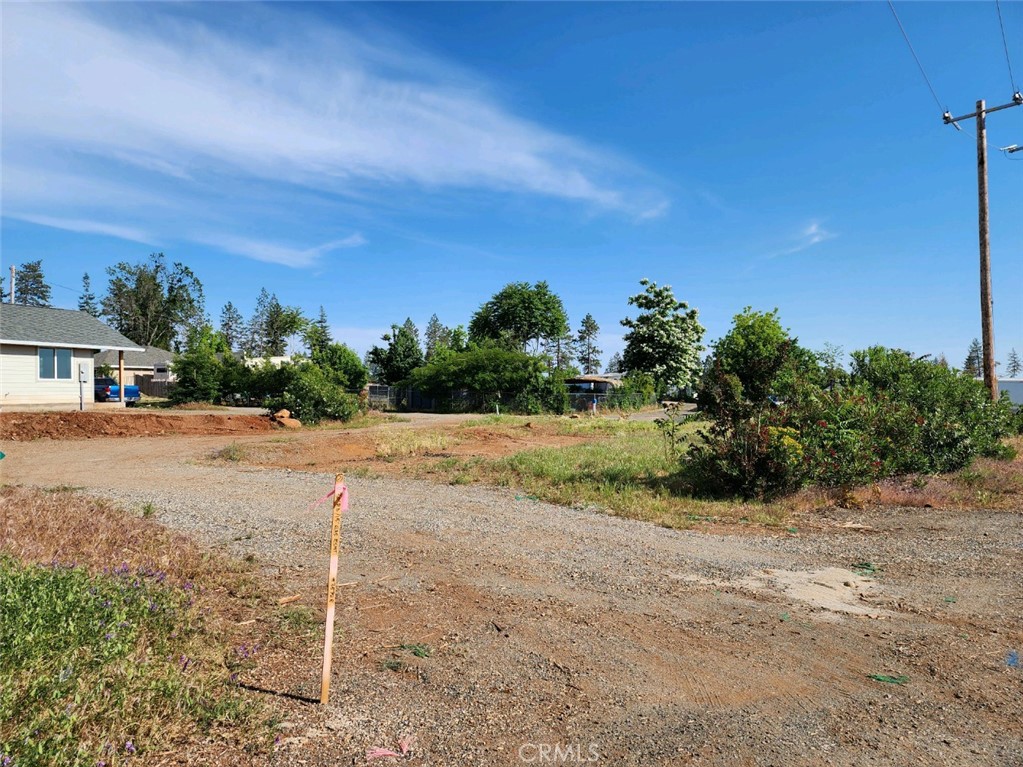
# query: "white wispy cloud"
{"points": [[85, 226], [812, 234], [176, 107], [275, 253]]}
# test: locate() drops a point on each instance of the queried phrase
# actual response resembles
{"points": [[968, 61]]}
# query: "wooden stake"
{"points": [[335, 545]]}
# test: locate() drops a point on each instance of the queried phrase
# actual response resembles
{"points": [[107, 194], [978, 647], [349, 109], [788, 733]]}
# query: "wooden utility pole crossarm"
{"points": [[984, 235]]}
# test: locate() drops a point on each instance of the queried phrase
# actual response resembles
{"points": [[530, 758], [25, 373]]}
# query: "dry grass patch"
{"points": [[413, 442], [988, 483]]}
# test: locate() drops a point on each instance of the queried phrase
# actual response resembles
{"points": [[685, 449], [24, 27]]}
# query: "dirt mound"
{"points": [[78, 425]]}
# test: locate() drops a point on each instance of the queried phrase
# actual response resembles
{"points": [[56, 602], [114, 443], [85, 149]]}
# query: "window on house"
{"points": [[55, 363]]}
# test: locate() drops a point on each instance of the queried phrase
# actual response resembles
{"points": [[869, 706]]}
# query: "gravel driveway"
{"points": [[605, 637]]}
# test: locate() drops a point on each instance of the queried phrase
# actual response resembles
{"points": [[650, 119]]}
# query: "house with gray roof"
{"points": [[43, 351]]}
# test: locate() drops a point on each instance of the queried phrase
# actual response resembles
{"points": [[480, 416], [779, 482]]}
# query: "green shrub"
{"points": [[545, 393], [200, 369], [811, 424], [489, 373], [311, 397], [637, 390], [342, 366]]}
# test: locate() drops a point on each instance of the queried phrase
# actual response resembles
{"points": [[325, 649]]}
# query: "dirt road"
{"points": [[561, 636]]}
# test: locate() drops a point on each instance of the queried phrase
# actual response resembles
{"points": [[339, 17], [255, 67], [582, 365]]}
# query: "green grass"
{"points": [[626, 472], [98, 667], [560, 425], [299, 618], [418, 649]]}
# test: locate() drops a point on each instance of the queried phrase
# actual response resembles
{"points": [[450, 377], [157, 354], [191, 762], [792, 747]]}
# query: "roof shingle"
{"points": [[45, 326]]}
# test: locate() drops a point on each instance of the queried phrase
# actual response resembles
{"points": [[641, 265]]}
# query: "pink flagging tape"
{"points": [[404, 750], [381, 753], [340, 489]]}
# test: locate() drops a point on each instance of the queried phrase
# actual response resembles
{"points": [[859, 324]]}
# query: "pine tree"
{"points": [[271, 325], [87, 301], [974, 363], [616, 364], [402, 355], [589, 354], [437, 336], [232, 326], [317, 335], [30, 286], [1014, 366], [561, 351]]}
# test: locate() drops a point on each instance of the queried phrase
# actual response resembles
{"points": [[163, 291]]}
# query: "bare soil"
{"points": [[88, 425], [618, 642]]}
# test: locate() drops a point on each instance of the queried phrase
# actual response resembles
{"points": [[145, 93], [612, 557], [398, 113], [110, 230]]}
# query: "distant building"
{"points": [[141, 367], [45, 351], [598, 383], [1014, 388]]}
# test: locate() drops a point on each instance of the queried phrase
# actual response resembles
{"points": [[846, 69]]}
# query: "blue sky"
{"points": [[393, 160]]}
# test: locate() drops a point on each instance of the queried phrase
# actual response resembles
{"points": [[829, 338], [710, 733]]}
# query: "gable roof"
{"points": [[45, 326], [149, 356]]}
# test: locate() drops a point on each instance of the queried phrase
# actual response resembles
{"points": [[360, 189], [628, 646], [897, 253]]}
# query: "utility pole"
{"points": [[12, 283], [986, 315]]}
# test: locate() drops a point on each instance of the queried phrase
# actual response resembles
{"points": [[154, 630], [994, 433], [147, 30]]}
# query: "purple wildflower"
{"points": [[129, 747]]}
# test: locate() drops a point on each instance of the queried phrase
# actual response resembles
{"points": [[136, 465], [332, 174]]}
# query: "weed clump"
{"points": [[100, 666]]}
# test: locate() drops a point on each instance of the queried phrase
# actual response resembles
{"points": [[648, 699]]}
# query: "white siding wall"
{"points": [[20, 383]]}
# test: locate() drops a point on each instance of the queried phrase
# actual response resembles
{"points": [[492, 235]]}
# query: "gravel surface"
{"points": [[615, 641]]}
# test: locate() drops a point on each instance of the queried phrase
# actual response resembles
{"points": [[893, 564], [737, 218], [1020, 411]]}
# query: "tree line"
{"points": [[518, 346]]}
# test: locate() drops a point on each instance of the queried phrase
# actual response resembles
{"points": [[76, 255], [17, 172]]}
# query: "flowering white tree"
{"points": [[665, 339]]}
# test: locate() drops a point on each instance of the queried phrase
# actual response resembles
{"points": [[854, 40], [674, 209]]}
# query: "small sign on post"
{"points": [[340, 505]]}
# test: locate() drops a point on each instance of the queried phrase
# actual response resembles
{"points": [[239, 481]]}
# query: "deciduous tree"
{"points": [[153, 304], [664, 339], [342, 366], [520, 316]]}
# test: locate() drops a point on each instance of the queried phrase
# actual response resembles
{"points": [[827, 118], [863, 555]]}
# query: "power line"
{"points": [[1005, 45], [915, 57]]}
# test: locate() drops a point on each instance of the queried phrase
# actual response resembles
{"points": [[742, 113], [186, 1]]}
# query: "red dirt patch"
{"points": [[78, 425]]}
